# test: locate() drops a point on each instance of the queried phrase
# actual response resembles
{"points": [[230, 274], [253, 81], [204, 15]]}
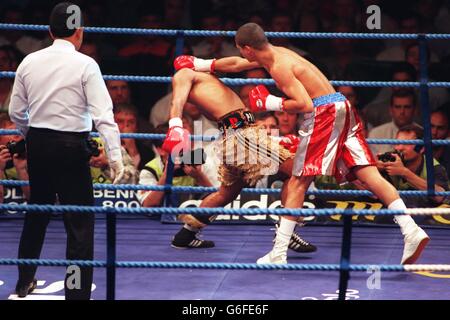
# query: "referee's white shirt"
{"points": [[62, 89]]}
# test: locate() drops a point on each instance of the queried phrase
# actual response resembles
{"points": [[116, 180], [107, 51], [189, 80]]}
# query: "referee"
{"points": [[57, 94]]}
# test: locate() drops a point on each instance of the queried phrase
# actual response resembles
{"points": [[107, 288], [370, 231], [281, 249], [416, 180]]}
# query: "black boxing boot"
{"points": [[298, 244], [187, 239]]}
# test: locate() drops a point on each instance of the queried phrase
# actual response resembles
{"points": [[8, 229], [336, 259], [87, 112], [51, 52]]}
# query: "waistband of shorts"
{"points": [[235, 120], [57, 133], [329, 98]]}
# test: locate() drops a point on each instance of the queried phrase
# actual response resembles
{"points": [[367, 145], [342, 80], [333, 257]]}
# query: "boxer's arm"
{"points": [[234, 64], [182, 83], [297, 98]]}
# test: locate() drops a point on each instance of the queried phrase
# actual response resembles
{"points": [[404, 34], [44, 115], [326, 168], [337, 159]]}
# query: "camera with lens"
{"points": [[192, 158], [17, 147], [389, 156], [92, 147]]}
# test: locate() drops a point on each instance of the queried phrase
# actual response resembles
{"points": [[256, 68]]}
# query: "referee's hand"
{"points": [[117, 171]]}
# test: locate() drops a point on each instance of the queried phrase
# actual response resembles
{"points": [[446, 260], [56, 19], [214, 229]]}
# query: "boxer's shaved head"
{"points": [[252, 35]]}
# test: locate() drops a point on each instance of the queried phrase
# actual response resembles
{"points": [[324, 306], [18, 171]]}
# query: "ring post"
{"points": [[111, 254], [426, 119], [345, 256]]}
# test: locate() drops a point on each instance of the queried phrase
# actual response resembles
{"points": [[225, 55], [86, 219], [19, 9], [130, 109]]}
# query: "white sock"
{"points": [[405, 222], [284, 232], [190, 228]]}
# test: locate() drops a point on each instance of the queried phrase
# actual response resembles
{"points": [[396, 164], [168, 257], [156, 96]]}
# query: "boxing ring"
{"points": [[113, 233]]}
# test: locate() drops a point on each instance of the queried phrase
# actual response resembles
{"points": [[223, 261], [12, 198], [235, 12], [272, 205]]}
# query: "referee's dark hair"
{"points": [[58, 20]]}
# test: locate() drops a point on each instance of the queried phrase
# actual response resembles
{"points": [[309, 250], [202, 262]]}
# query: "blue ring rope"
{"points": [[198, 265], [268, 82], [157, 136], [208, 33], [206, 211], [191, 189]]}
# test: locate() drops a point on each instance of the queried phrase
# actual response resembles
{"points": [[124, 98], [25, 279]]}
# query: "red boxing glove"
{"points": [[194, 63], [261, 100], [290, 142], [177, 139]]}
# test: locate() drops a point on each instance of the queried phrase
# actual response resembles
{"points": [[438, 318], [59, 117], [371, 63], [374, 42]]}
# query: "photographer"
{"points": [[100, 169], [13, 161], [155, 172], [407, 170]]}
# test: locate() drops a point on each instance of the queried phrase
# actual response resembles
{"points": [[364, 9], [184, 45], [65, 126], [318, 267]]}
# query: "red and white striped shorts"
{"points": [[332, 142]]}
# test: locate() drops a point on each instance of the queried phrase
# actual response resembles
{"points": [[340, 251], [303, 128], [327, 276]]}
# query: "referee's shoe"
{"points": [[23, 290]]}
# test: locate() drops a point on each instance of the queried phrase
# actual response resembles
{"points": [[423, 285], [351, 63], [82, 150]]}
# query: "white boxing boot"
{"points": [[415, 237], [415, 241], [279, 252]]}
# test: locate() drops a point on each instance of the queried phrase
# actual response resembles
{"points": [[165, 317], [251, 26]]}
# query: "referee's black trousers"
{"points": [[58, 168]]}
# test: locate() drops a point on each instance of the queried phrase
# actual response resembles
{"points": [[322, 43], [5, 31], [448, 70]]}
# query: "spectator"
{"points": [[12, 166], [341, 52], [268, 121], [119, 91], [351, 95], [147, 45], [90, 48], [26, 44], [348, 11], [437, 96], [283, 22], [140, 151], [411, 54], [148, 55], [101, 172], [309, 22], [9, 59], [402, 109], [327, 14], [258, 19], [409, 172], [214, 47], [288, 122], [440, 130], [364, 123], [428, 11], [377, 111], [175, 14], [409, 22]]}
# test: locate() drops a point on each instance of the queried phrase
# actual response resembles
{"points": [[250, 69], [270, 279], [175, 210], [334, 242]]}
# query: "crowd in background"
{"points": [[144, 107]]}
